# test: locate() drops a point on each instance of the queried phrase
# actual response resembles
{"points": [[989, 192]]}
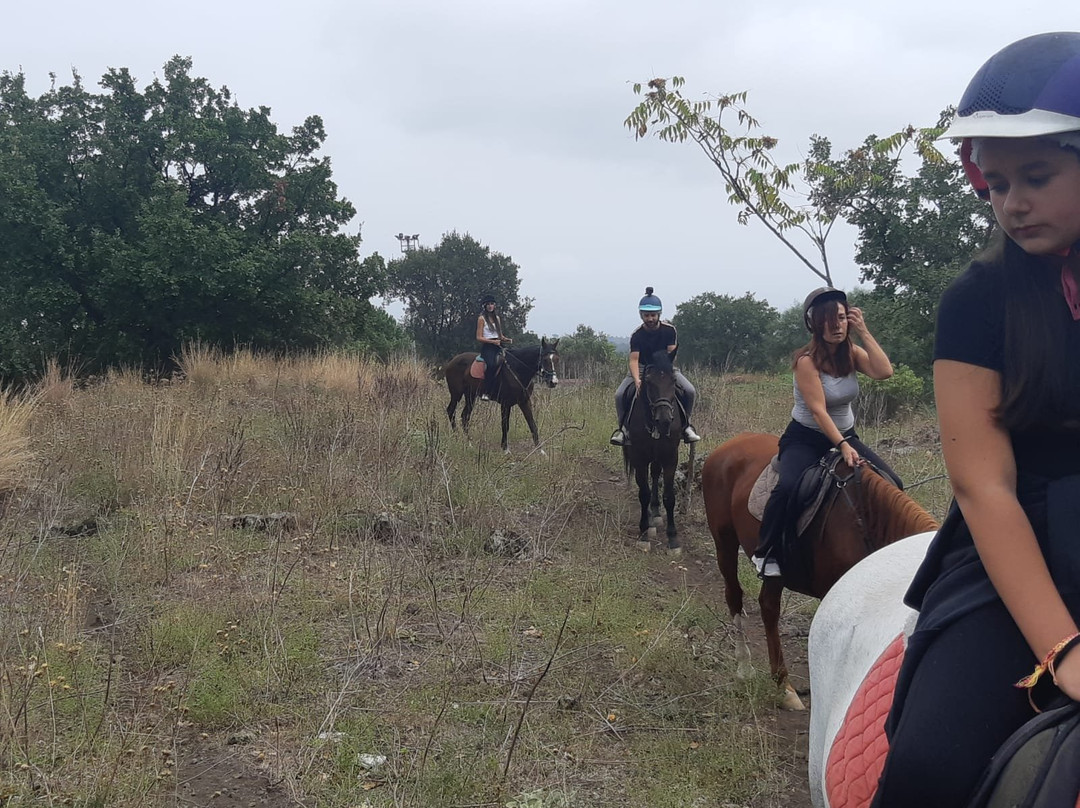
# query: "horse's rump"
{"points": [[855, 648]]}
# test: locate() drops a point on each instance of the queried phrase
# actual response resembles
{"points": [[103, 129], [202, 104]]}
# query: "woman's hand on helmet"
{"points": [[856, 322]]}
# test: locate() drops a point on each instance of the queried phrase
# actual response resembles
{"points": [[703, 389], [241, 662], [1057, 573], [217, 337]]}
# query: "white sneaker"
{"points": [[766, 569], [689, 435], [619, 438]]}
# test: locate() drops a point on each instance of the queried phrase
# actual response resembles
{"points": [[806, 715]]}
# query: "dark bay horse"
{"points": [[859, 521], [655, 424], [515, 384]]}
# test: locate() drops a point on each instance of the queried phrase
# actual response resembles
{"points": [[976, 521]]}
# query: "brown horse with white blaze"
{"points": [[856, 523], [514, 384]]}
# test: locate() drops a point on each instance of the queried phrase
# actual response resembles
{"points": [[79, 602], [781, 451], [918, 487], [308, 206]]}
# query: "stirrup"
{"points": [[619, 437], [766, 568]]}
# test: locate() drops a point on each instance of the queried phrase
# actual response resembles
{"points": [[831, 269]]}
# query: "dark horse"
{"points": [[865, 514], [517, 374], [655, 425]]}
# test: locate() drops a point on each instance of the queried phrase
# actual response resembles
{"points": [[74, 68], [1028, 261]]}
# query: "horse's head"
{"points": [[658, 389], [549, 357]]}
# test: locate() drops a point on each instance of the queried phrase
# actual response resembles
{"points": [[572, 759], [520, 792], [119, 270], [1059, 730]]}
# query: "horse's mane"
{"points": [[661, 360], [892, 514]]}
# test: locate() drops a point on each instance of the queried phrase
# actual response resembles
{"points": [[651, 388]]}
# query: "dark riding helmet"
{"points": [[820, 295], [1030, 88], [650, 302], [487, 299]]}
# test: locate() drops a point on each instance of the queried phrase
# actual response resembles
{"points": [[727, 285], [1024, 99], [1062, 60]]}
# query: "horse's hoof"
{"points": [[651, 533], [744, 670], [791, 700], [675, 551], [543, 452], [656, 521], [644, 545]]}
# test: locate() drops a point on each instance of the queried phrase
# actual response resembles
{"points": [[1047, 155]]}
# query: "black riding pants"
{"points": [[961, 705], [490, 354], [800, 448]]}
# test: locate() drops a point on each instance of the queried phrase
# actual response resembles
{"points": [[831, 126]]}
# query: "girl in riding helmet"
{"points": [[490, 336], [822, 418], [999, 591]]}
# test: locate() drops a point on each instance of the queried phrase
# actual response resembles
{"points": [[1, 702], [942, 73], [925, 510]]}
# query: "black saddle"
{"points": [[1038, 766]]}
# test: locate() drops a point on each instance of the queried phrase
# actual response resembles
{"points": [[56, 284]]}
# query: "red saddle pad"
{"points": [[858, 752]]}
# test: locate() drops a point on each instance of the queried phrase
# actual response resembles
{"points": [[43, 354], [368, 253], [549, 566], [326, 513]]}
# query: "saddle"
{"points": [[1038, 767], [814, 486], [477, 366]]}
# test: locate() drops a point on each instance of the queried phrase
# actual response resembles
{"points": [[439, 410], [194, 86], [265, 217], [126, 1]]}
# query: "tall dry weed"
{"points": [[16, 456], [56, 386]]}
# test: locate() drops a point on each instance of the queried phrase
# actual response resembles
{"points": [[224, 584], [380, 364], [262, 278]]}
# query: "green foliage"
{"points": [[884, 398], [754, 181], [587, 353], [442, 287], [916, 234], [726, 333], [133, 221]]}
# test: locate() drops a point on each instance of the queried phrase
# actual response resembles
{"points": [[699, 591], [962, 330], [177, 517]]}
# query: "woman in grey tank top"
{"points": [[826, 383]]}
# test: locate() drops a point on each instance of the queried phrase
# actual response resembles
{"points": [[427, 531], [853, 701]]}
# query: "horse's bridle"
{"points": [[656, 404], [548, 373], [856, 503]]}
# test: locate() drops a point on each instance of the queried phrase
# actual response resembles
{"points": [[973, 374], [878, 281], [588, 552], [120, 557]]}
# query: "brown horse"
{"points": [[875, 514], [515, 381]]}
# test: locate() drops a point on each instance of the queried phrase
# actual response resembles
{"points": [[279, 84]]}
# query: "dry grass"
{"points": [[476, 619]]}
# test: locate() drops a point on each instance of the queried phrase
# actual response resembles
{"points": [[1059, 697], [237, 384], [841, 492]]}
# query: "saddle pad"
{"points": [[763, 487], [476, 368], [857, 756]]}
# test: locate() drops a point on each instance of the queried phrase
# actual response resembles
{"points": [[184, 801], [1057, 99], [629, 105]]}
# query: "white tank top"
{"points": [[490, 331], [840, 391]]}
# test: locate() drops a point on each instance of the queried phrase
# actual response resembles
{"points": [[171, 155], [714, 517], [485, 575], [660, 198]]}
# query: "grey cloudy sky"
{"points": [[503, 119]]}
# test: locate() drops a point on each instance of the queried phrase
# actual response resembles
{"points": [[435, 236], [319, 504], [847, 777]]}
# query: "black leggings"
{"points": [[490, 353], [960, 706], [801, 448]]}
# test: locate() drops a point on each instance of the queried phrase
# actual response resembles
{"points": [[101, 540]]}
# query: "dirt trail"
{"points": [[697, 572]]}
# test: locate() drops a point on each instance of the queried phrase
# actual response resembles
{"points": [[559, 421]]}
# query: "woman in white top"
{"points": [[822, 418], [490, 336]]}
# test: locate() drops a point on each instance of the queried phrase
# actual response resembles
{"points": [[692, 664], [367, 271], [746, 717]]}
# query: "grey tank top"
{"points": [[840, 391]]}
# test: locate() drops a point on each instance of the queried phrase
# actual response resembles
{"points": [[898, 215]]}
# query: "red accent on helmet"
{"points": [[974, 174]]}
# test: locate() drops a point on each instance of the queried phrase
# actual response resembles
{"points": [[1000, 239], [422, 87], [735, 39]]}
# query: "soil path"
{"points": [[696, 571]]}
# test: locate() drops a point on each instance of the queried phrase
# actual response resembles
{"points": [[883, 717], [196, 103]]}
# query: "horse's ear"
{"points": [[554, 344], [543, 344]]}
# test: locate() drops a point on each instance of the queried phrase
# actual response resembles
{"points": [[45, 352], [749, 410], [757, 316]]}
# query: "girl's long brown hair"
{"points": [[835, 363]]}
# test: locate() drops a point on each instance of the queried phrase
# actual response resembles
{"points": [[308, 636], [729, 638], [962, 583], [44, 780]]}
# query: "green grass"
{"points": [[381, 621]]}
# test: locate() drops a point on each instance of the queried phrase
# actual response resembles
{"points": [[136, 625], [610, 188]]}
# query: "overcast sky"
{"points": [[504, 118]]}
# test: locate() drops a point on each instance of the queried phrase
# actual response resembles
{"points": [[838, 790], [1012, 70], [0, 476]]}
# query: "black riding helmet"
{"points": [[487, 299], [820, 295]]}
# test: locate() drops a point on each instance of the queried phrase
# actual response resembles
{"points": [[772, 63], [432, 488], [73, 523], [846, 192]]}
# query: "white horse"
{"points": [[858, 620]]}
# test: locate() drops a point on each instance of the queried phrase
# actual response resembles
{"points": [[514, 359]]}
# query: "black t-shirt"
{"points": [[971, 329], [645, 343]]}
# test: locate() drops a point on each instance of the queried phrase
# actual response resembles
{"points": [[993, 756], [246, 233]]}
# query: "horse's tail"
{"points": [[627, 465]]}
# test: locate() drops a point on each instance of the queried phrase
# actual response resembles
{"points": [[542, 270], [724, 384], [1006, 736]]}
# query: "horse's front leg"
{"points": [[769, 601], [655, 470], [645, 529], [669, 505], [526, 410], [505, 425]]}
